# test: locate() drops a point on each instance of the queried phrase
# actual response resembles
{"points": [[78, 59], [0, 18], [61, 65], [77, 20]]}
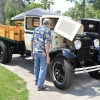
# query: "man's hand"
{"points": [[48, 59]]}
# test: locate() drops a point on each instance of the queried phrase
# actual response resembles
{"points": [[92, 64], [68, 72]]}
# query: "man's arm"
{"points": [[47, 47], [47, 43]]}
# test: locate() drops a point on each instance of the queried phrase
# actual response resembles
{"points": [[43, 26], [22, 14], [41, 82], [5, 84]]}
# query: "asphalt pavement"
{"points": [[83, 88]]}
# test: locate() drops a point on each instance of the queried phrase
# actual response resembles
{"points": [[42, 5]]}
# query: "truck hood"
{"points": [[68, 28]]}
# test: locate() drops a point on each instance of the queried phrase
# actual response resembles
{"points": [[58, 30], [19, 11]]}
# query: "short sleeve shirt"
{"points": [[41, 35]]}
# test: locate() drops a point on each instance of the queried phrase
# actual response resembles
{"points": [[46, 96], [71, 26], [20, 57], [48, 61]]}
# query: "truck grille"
{"points": [[83, 53]]}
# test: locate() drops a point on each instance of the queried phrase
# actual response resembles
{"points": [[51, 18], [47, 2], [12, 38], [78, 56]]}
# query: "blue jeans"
{"points": [[40, 67]]}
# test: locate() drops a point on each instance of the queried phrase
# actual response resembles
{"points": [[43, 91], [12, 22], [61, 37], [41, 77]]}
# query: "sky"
{"points": [[62, 5]]}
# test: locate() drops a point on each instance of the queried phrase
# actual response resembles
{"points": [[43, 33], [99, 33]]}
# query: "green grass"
{"points": [[12, 87]]}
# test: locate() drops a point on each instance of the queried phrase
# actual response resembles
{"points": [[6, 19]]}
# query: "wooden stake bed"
{"points": [[12, 32]]}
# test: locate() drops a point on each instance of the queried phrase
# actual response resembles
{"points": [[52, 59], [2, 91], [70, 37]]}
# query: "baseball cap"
{"points": [[46, 21]]}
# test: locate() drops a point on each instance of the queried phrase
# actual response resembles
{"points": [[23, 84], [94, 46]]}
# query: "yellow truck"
{"points": [[71, 52]]}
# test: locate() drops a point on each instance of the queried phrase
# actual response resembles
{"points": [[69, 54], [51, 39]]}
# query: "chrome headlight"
{"points": [[77, 44], [96, 43]]}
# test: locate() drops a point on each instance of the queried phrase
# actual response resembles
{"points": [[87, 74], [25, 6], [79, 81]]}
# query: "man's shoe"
{"points": [[41, 88]]}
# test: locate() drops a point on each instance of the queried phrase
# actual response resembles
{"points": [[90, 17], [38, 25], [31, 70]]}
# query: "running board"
{"points": [[87, 69], [28, 58]]}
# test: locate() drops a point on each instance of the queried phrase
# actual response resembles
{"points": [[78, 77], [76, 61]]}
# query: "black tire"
{"points": [[61, 72], [95, 74], [3, 52], [9, 52]]}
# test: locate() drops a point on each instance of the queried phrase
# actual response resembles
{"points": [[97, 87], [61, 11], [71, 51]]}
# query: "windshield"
{"points": [[53, 22]]}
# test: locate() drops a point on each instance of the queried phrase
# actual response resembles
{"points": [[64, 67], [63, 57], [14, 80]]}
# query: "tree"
{"points": [[2, 13], [83, 5], [13, 7], [33, 5], [47, 3], [28, 1], [95, 3], [58, 11], [74, 12], [90, 12]]}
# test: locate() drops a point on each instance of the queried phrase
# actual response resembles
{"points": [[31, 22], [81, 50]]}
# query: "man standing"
{"points": [[40, 45]]}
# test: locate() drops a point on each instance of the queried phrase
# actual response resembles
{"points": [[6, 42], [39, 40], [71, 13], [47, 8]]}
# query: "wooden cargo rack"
{"points": [[12, 32]]}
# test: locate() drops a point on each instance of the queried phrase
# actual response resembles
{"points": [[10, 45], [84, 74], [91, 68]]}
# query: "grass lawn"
{"points": [[12, 87]]}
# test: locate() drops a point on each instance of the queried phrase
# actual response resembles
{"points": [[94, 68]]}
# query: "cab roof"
{"points": [[34, 12], [90, 19]]}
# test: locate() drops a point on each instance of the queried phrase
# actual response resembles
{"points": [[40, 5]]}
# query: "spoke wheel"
{"points": [[61, 72]]}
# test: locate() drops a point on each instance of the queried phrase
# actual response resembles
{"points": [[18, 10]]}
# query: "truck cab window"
{"points": [[32, 23]]}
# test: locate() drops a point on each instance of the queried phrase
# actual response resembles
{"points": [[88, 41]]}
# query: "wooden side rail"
{"points": [[12, 32]]}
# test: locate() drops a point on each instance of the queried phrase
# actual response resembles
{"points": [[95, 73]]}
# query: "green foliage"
{"points": [[96, 4], [58, 11], [90, 12], [47, 3], [12, 87], [72, 0], [33, 5], [13, 8], [88, 8], [85, 8], [75, 12]]}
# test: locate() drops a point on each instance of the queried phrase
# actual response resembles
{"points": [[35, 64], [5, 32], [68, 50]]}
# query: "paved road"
{"points": [[83, 87]]}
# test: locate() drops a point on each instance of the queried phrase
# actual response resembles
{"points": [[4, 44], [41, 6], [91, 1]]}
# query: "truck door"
{"points": [[30, 24]]}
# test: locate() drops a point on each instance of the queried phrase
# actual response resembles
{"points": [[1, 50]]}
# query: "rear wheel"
{"points": [[61, 72], [3, 52], [9, 52]]}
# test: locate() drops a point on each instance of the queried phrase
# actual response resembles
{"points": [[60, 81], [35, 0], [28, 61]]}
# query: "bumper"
{"points": [[87, 69]]}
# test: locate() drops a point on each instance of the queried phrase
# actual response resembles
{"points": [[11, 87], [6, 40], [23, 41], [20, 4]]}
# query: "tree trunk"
{"points": [[2, 12], [83, 9]]}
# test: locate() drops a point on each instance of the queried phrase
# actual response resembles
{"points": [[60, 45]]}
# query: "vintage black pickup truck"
{"points": [[74, 48]]}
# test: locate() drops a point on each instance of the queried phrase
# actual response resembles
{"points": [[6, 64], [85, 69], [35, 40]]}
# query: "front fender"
{"points": [[64, 52], [67, 53]]}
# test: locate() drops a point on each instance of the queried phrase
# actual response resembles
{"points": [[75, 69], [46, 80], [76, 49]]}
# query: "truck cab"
{"points": [[91, 26]]}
